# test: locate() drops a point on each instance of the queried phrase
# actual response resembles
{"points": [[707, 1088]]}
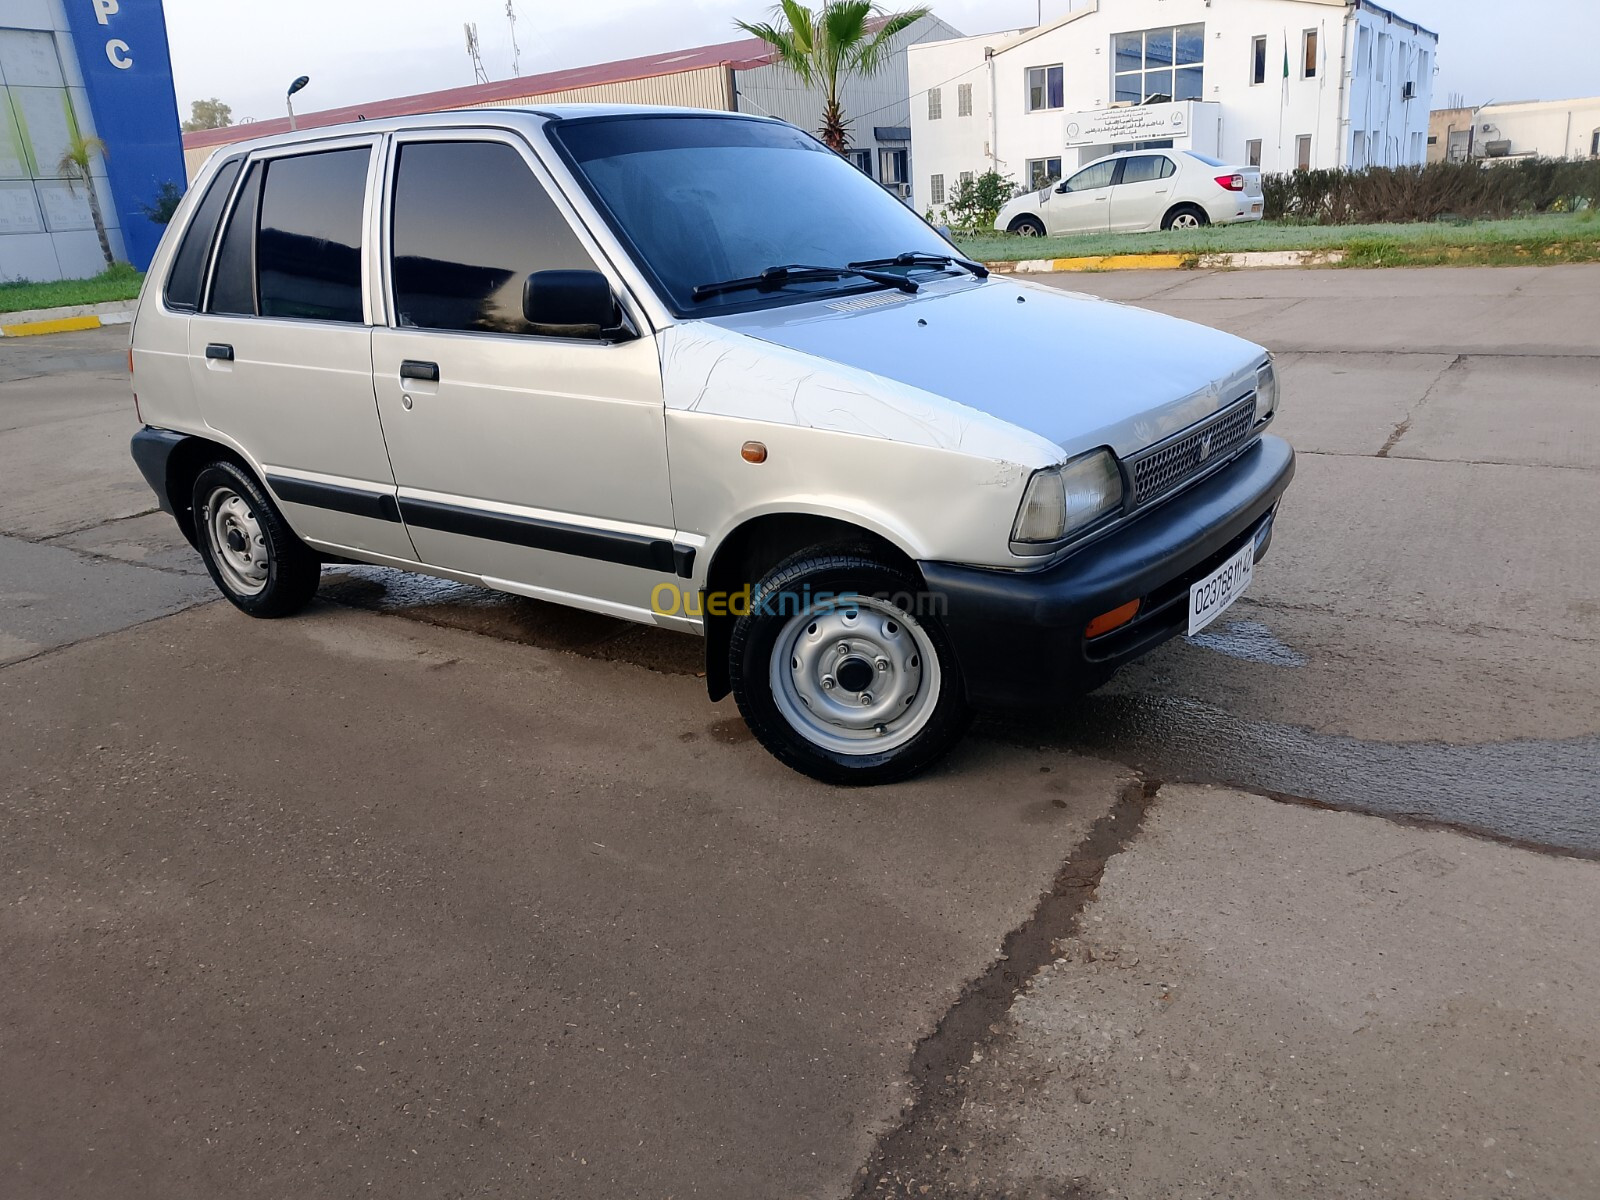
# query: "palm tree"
{"points": [[75, 163], [825, 48]]}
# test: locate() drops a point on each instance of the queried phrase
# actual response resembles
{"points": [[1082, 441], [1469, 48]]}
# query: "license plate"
{"points": [[1212, 596]]}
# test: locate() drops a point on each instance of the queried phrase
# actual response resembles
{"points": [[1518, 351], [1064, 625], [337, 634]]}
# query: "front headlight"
{"points": [[1062, 500], [1266, 391]]}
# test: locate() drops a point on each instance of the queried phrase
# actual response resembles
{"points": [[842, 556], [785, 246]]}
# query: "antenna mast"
{"points": [[516, 51], [479, 74]]}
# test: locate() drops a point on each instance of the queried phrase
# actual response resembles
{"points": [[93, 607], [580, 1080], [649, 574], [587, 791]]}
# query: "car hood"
{"points": [[1075, 370]]}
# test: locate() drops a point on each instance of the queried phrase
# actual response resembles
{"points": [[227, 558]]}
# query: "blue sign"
{"points": [[127, 68]]}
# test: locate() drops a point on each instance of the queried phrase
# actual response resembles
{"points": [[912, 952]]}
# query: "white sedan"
{"points": [[1139, 191]]}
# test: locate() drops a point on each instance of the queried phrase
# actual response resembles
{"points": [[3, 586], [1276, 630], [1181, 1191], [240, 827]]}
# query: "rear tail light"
{"points": [[1231, 183]]}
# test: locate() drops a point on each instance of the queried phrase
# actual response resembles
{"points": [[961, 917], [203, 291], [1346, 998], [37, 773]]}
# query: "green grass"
{"points": [[121, 282], [1567, 237]]}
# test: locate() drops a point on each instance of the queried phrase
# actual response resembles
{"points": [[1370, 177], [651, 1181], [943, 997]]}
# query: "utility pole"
{"points": [[478, 73], [516, 51]]}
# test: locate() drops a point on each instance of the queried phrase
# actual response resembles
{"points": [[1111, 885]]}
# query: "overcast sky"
{"points": [[357, 50]]}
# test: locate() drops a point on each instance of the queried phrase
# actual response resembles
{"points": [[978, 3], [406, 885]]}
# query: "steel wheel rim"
{"points": [[238, 545], [1027, 229], [823, 655], [1186, 221]]}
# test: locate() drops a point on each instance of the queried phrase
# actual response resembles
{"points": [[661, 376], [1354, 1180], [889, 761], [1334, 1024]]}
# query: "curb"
{"points": [[66, 320], [1248, 260]]}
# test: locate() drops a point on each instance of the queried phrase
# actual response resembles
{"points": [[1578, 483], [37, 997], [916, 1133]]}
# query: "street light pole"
{"points": [[288, 99]]}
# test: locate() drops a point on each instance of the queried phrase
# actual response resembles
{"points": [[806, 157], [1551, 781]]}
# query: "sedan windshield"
{"points": [[706, 200]]}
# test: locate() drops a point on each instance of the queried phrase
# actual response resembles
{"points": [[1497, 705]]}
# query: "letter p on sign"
{"points": [[104, 10]]}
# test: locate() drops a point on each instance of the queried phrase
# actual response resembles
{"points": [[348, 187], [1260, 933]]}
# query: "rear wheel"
{"points": [[840, 676], [252, 554], [1027, 227], [1186, 217]]}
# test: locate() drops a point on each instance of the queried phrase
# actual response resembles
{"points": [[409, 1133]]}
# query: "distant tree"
{"points": [[976, 202], [828, 46], [208, 114], [161, 209], [75, 165]]}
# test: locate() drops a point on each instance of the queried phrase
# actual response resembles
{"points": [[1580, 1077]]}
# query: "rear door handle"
{"points": [[219, 352], [411, 369]]}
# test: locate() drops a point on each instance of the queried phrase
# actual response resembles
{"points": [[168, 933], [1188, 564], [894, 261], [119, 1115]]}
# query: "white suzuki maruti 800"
{"points": [[693, 369]]}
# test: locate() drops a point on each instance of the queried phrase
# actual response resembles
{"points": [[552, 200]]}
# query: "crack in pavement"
{"points": [[913, 1153], [1404, 427]]}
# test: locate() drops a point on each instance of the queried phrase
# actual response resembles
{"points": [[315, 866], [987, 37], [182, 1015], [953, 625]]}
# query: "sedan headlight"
{"points": [[1062, 500], [1266, 391]]}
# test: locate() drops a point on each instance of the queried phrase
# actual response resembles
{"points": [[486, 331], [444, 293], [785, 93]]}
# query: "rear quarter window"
{"points": [[188, 269]]}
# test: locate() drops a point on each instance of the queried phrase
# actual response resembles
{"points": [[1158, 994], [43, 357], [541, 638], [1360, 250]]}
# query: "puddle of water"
{"points": [[1251, 641], [1545, 792]]}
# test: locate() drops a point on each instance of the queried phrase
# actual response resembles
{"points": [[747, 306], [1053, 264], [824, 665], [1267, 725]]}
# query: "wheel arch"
{"points": [[751, 549]]}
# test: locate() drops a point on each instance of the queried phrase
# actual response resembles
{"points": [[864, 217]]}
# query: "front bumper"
{"points": [[1019, 636]]}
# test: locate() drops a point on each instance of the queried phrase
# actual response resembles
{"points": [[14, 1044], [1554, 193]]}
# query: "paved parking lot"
{"points": [[489, 901]]}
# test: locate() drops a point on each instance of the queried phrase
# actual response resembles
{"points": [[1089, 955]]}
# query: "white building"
{"points": [[1523, 129], [1278, 84]]}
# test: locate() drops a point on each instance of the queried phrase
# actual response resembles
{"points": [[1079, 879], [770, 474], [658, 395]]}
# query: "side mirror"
{"points": [[1063, 188], [575, 303]]}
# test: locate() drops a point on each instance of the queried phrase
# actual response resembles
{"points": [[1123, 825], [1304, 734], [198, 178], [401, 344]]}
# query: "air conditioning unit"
{"points": [[1497, 149], [1409, 92]]}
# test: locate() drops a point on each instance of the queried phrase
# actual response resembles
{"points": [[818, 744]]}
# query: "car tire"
{"points": [[837, 676], [1027, 227], [253, 556], [1185, 217]]}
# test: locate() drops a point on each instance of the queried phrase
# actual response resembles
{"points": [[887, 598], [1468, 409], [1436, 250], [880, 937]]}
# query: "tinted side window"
{"points": [[1146, 168], [233, 283], [471, 223], [308, 252], [189, 264], [1097, 176]]}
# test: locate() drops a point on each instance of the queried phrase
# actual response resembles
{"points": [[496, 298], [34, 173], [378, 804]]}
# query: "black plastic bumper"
{"points": [[1020, 635], [152, 451]]}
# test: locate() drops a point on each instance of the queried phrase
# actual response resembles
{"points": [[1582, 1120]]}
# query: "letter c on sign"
{"points": [[105, 9], [117, 52]]}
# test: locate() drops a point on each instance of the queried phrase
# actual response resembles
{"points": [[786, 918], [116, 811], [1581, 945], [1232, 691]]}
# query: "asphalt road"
{"points": [[491, 902]]}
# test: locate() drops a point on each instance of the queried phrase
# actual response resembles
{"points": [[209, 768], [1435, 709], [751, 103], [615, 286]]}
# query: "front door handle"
{"points": [[218, 352], [412, 369]]}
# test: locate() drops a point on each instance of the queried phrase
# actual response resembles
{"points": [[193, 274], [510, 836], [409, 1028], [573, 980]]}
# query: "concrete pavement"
{"points": [[1265, 1001], [469, 903]]}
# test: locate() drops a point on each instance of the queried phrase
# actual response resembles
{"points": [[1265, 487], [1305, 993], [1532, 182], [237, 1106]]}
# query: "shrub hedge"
{"points": [[1468, 191]]}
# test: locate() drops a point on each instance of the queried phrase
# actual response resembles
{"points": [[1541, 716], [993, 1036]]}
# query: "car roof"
{"points": [[461, 118]]}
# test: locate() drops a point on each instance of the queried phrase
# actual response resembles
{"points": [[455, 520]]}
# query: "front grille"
{"points": [[1173, 463]]}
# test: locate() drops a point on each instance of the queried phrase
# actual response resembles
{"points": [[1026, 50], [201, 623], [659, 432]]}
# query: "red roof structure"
{"points": [[739, 55]]}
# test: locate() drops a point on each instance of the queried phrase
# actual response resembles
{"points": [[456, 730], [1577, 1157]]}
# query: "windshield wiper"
{"points": [[774, 278], [914, 259]]}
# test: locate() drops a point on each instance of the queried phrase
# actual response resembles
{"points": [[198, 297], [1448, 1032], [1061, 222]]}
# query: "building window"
{"points": [[1045, 88], [936, 189], [966, 176], [1042, 172], [1159, 64], [935, 103], [964, 100], [1383, 57], [1310, 58], [1258, 61], [1364, 49], [1417, 151], [863, 161], [1302, 152], [892, 166], [1594, 146], [1252, 152]]}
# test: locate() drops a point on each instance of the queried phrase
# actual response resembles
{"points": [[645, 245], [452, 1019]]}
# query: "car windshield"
{"points": [[702, 200]]}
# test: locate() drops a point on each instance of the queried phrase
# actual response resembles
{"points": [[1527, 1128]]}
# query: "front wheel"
{"points": [[252, 554], [841, 674], [1030, 227]]}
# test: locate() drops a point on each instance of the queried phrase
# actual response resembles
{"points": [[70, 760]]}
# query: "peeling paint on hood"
{"points": [[1074, 370]]}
